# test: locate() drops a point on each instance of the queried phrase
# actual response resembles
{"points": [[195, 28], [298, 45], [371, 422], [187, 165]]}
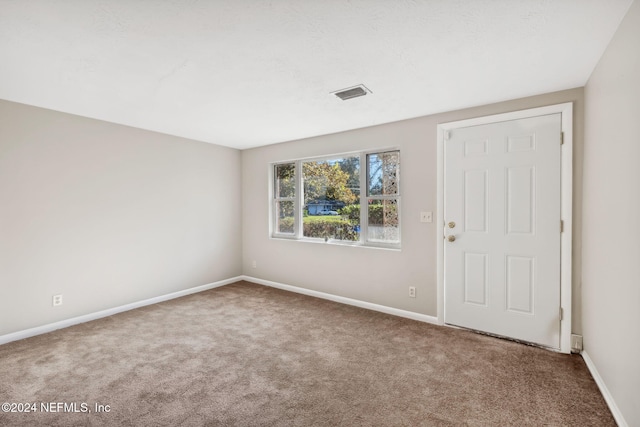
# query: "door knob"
{"points": [[451, 224], [451, 238]]}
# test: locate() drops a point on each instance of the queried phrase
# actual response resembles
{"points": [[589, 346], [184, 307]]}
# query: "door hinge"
{"points": [[561, 313], [447, 135], [561, 138], [561, 226]]}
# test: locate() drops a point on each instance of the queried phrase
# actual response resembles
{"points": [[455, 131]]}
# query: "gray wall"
{"points": [[611, 250], [108, 215], [376, 275]]}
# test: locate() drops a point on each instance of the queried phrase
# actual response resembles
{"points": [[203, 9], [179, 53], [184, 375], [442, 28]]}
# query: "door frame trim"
{"points": [[566, 237]]}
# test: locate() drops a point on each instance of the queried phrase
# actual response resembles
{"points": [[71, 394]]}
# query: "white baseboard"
{"points": [[617, 415], [349, 301], [38, 330]]}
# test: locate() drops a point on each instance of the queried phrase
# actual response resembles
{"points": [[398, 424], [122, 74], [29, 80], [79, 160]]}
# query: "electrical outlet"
{"points": [[426, 216], [412, 291], [57, 300], [254, 264]]}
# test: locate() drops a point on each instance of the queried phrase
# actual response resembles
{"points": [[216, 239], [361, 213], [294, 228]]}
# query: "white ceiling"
{"points": [[245, 73]]}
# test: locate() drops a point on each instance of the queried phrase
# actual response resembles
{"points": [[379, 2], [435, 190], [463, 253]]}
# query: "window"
{"points": [[383, 197], [285, 198], [329, 199]]}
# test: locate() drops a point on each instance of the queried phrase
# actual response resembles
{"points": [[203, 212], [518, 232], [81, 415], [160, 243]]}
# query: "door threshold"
{"points": [[502, 337]]}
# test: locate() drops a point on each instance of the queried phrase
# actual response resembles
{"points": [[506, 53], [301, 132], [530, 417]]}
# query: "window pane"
{"points": [[335, 181], [285, 176], [331, 190], [383, 221], [331, 227], [383, 173], [284, 217]]}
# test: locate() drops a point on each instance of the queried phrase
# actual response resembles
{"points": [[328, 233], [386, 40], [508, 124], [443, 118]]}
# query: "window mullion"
{"points": [[299, 203], [364, 173]]}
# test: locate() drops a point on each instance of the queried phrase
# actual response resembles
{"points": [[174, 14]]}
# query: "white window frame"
{"points": [[297, 235], [275, 200], [364, 200]]}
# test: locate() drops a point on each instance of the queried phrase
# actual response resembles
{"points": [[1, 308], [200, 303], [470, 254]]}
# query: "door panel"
{"points": [[476, 200], [520, 284], [502, 197], [521, 205], [475, 278]]}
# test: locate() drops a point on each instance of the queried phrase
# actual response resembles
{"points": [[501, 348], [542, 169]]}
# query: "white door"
{"points": [[502, 225]]}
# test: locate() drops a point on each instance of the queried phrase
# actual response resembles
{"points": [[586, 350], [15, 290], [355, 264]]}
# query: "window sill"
{"points": [[387, 247]]}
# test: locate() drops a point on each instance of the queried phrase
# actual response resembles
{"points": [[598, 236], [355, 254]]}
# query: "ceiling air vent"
{"points": [[351, 92]]}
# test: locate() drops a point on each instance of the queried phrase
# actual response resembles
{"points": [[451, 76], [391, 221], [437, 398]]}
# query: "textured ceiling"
{"points": [[245, 73]]}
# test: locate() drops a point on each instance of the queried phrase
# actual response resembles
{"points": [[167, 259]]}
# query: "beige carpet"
{"points": [[248, 355]]}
